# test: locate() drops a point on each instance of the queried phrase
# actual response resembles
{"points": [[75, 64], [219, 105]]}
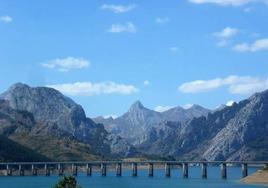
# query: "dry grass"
{"points": [[259, 177]]}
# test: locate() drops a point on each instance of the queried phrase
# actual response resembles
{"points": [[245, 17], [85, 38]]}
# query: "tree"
{"points": [[67, 182]]}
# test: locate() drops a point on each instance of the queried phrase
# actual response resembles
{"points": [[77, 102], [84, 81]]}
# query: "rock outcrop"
{"points": [[46, 113]]}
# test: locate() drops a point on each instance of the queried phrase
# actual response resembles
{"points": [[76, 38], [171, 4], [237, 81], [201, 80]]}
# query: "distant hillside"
{"points": [[137, 122], [238, 132], [21, 128], [51, 124], [42, 124], [12, 151]]}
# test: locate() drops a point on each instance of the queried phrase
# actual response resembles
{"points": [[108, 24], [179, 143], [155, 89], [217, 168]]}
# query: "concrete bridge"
{"points": [[48, 167]]}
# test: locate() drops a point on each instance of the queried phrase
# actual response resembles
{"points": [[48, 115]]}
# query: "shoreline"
{"points": [[259, 177]]}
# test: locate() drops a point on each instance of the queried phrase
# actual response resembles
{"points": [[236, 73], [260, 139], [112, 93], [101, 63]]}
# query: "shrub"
{"points": [[67, 182]]}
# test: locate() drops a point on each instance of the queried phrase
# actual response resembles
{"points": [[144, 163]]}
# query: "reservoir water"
{"points": [[142, 181]]}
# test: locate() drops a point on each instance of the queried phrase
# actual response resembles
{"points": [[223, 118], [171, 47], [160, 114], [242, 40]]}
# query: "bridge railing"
{"points": [[48, 168]]}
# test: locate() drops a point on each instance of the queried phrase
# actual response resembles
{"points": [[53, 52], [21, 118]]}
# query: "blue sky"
{"points": [[107, 54]]}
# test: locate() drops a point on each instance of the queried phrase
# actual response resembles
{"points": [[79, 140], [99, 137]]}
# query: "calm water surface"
{"points": [[142, 181]]}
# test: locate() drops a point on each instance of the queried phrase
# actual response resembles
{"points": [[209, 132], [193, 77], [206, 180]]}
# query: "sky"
{"points": [[105, 55]]}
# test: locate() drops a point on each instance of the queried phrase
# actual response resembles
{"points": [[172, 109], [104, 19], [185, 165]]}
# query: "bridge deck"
{"points": [[137, 162]]}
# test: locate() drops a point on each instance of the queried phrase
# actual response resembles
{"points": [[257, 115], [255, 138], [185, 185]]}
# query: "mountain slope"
{"points": [[49, 106], [20, 128], [11, 151], [238, 132], [182, 115], [138, 120], [136, 123], [56, 120], [248, 126], [41, 122]]}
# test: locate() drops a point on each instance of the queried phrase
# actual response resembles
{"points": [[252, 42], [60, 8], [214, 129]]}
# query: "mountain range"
{"points": [[237, 132], [44, 120], [138, 121], [40, 123]]}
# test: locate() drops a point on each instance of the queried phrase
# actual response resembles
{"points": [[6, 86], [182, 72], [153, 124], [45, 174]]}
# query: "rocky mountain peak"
{"points": [[19, 85], [57, 115], [195, 106], [46, 104], [136, 106]]}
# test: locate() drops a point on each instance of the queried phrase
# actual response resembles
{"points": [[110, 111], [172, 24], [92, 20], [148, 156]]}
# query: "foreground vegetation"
{"points": [[67, 182]]}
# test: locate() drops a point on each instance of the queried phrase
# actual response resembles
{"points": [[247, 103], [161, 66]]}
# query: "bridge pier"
{"points": [[21, 170], [134, 170], [34, 170], [47, 171], [60, 170], [118, 169], [103, 169], [204, 170], [8, 170], [223, 171], [74, 169], [185, 170], [244, 170], [151, 169], [89, 170], [167, 170]]}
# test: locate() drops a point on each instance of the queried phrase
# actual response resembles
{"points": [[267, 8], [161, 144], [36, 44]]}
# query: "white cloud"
{"points": [[66, 64], [118, 8], [146, 82], [255, 35], [6, 19], [160, 20], [225, 35], [235, 85], [90, 89], [162, 108], [227, 2], [248, 9], [227, 32], [110, 116], [119, 28], [174, 49], [261, 44], [187, 106], [230, 103], [222, 43]]}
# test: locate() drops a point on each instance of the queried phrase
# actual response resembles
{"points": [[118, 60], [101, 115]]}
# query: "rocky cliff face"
{"points": [[48, 106], [182, 115], [138, 121], [248, 126], [239, 132], [56, 115], [44, 122], [29, 140]]}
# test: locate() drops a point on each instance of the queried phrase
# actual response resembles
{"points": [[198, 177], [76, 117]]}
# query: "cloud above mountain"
{"points": [[225, 35], [162, 108], [162, 20], [227, 2], [118, 9], [66, 64], [234, 84], [91, 89], [261, 44], [146, 82], [6, 19], [120, 28]]}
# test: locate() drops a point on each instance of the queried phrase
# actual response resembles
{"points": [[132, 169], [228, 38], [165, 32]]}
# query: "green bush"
{"points": [[67, 182]]}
